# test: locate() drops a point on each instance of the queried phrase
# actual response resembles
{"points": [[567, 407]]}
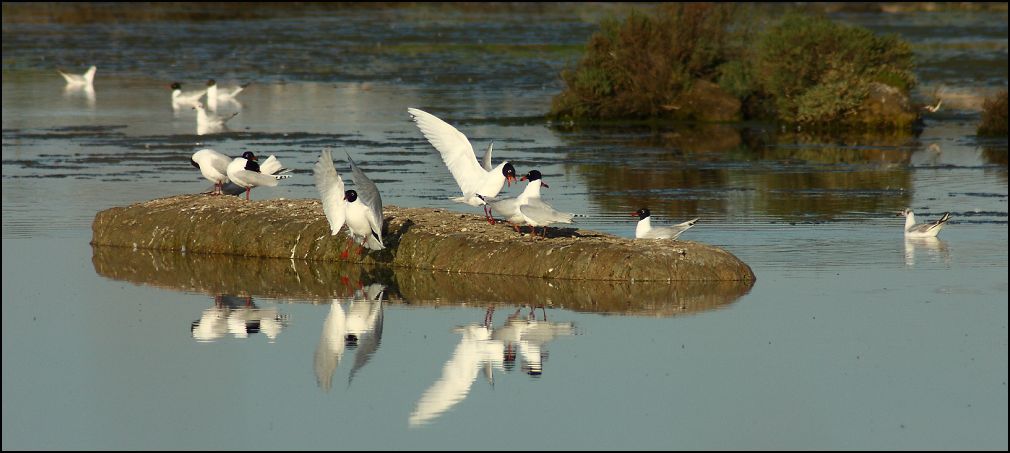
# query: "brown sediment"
{"points": [[316, 281], [416, 238]]}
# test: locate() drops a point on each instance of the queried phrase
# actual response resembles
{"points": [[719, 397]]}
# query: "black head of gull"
{"points": [[350, 196], [534, 175], [211, 82], [642, 213], [510, 173]]}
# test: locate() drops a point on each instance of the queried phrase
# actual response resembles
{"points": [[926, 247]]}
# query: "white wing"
{"points": [[455, 148], [369, 195], [486, 161], [670, 232], [212, 158], [272, 165], [542, 214], [331, 190], [89, 76]]}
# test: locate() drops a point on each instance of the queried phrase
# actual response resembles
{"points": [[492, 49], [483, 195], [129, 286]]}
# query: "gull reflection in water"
{"points": [[358, 327], [934, 248], [86, 92], [237, 316], [483, 347]]}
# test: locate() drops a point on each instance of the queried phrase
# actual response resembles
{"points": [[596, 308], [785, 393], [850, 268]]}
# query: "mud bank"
{"points": [[416, 238]]}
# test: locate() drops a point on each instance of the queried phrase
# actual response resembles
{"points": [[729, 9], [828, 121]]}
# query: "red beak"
{"points": [[634, 214], [542, 183]]}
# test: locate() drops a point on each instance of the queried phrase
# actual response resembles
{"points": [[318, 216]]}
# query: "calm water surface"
{"points": [[851, 338]]}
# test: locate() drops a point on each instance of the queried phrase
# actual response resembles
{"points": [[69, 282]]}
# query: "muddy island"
{"points": [[417, 238]]}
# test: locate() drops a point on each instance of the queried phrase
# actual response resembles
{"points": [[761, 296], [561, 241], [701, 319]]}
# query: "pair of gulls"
{"points": [[481, 183], [206, 122], [244, 172]]}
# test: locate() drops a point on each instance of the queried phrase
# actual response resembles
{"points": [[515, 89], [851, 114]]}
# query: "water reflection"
{"points": [[934, 249], [691, 170], [312, 280], [83, 92], [359, 328], [483, 348], [238, 316]]}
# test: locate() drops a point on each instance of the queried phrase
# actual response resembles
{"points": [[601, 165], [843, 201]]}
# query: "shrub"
{"points": [[818, 71], [994, 115], [639, 67]]}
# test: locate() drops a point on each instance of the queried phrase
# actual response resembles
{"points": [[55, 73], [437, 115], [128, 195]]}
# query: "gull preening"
{"points": [[224, 96], [185, 98], [645, 230], [82, 80], [246, 172], [213, 165], [922, 230], [209, 123], [360, 210], [474, 180]]}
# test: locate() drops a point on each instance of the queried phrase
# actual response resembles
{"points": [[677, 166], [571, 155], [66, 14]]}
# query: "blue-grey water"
{"points": [[851, 337]]}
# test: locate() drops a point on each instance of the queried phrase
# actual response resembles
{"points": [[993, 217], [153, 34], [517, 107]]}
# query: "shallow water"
{"points": [[851, 338]]}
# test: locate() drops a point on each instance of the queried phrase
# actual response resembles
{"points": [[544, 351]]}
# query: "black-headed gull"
{"points": [[226, 96], [458, 155], [509, 207], [213, 165], [358, 327], [82, 80], [246, 172], [645, 230], [185, 98], [922, 230], [210, 123], [360, 210]]}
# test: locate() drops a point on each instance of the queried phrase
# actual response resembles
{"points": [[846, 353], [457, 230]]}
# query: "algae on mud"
{"points": [[417, 238]]}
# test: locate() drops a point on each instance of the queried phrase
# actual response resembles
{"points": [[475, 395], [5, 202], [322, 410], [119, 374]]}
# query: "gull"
{"points": [[209, 123], [360, 209], [213, 165], [246, 172], [509, 207], [83, 80], [535, 212], [473, 178], [645, 230], [922, 230], [239, 317], [934, 108], [214, 96], [185, 98]]}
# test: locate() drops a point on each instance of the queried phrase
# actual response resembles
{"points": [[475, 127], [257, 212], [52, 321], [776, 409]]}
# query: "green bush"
{"points": [[994, 116], [818, 71], [639, 67]]}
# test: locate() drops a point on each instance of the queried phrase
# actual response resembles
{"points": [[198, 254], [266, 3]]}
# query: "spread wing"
{"points": [[455, 148], [331, 190], [369, 195], [486, 161]]}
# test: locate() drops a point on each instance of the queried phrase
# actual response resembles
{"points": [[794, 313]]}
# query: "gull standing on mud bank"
{"points": [[213, 165], [246, 172], [645, 230], [922, 230], [510, 207], [475, 179], [360, 210]]}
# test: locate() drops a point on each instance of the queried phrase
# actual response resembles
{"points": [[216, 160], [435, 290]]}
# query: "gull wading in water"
{"points": [[209, 123], [80, 81], [475, 179], [213, 165], [224, 96], [922, 230], [360, 210], [185, 98], [645, 230], [246, 172]]}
